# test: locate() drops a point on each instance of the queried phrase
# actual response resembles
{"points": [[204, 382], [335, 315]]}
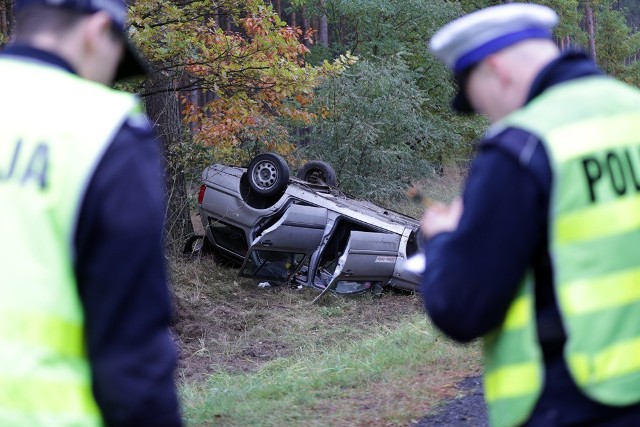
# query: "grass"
{"points": [[253, 356], [371, 381]]}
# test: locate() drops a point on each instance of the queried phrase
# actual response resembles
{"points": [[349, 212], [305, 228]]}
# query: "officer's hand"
{"points": [[439, 218]]}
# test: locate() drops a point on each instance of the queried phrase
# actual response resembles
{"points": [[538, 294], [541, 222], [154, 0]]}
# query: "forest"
{"points": [[350, 82]]}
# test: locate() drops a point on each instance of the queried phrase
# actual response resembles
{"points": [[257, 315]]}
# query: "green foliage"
{"points": [[570, 18], [389, 121], [615, 42], [472, 5], [631, 74], [373, 131], [454, 134], [631, 10], [386, 27], [318, 54]]}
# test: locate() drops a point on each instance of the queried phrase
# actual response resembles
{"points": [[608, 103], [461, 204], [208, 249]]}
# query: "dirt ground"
{"points": [[467, 410]]}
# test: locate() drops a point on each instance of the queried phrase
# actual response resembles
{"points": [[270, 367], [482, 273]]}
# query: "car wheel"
{"points": [[193, 245], [318, 172], [268, 174], [197, 245]]}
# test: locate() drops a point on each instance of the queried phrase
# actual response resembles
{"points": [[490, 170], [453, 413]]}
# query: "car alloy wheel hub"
{"points": [[265, 174]]}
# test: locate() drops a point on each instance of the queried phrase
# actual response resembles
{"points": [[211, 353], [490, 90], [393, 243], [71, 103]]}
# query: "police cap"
{"points": [[132, 63], [466, 41]]}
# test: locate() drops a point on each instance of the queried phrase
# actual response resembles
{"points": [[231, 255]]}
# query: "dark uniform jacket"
{"points": [[473, 273]]}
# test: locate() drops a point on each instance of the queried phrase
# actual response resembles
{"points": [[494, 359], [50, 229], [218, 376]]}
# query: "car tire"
{"points": [[318, 172], [197, 245], [193, 246], [268, 174]]}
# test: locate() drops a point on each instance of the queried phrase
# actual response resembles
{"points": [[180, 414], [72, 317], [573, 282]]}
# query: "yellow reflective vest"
{"points": [[591, 131], [55, 129]]}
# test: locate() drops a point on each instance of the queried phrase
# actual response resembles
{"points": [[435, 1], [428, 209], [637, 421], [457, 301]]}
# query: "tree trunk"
{"points": [[277, 5], [228, 23], [323, 30], [305, 25], [164, 110], [6, 19], [4, 30], [591, 28]]}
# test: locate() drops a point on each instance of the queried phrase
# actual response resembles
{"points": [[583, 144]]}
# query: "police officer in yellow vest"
{"points": [[84, 337], [541, 254]]}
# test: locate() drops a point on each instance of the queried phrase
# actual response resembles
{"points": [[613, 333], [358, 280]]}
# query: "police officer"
{"points": [[84, 337], [540, 256]]}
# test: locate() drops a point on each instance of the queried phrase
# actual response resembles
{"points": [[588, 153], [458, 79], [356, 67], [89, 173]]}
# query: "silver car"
{"points": [[302, 230]]}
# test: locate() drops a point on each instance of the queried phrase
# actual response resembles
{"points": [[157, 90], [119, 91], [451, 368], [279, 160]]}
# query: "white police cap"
{"points": [[463, 43]]}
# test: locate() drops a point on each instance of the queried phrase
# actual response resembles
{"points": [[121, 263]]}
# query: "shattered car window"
{"points": [[274, 265], [229, 237]]}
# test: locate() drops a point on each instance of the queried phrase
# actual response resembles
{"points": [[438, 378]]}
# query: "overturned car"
{"points": [[302, 230]]}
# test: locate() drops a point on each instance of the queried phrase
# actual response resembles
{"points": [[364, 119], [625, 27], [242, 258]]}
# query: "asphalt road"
{"points": [[464, 411]]}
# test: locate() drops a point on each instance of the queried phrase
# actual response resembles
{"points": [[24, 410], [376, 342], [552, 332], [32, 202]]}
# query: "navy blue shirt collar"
{"points": [[568, 66], [38, 55]]}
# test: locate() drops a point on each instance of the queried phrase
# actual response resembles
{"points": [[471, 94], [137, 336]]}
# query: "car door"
{"points": [[278, 252], [369, 256]]}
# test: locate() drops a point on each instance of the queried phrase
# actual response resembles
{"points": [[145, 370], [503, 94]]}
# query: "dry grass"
{"points": [[224, 322], [439, 188]]}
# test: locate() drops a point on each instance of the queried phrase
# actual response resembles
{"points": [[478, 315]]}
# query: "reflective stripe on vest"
{"points": [[55, 129], [594, 227], [513, 372]]}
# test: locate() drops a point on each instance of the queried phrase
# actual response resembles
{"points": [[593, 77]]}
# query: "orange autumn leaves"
{"points": [[244, 61]]}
